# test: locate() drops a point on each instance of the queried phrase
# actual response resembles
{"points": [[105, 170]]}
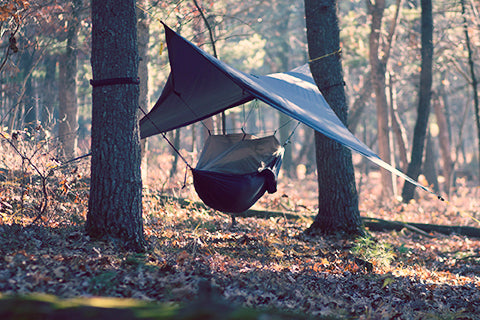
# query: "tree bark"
{"points": [[425, 93], [115, 203], [67, 94], [338, 198]]}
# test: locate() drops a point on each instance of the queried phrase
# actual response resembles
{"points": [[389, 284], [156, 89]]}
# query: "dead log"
{"points": [[373, 224]]}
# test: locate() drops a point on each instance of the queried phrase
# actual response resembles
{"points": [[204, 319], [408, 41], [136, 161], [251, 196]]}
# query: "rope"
{"points": [[254, 106], [339, 51], [283, 125], [191, 110], [287, 141], [166, 139]]}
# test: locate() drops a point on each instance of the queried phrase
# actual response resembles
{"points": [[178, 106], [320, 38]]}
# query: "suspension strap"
{"points": [[114, 81]]}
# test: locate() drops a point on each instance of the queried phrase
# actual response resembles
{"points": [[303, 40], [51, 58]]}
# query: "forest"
{"points": [[97, 223]]}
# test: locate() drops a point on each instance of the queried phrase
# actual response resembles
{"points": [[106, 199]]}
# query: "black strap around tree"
{"points": [[114, 81]]}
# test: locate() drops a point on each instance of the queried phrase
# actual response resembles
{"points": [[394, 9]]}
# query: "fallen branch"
{"points": [[373, 224]]}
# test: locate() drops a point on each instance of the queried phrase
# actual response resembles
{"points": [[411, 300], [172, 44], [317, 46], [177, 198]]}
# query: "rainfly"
{"points": [[200, 86]]}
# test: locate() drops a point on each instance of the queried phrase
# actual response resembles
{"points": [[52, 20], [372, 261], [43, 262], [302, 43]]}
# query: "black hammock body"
{"points": [[235, 170]]}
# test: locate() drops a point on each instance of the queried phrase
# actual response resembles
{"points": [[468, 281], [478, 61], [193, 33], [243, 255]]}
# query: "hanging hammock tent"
{"points": [[200, 86], [235, 170]]}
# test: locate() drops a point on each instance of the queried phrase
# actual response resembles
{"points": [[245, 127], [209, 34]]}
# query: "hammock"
{"points": [[235, 170]]}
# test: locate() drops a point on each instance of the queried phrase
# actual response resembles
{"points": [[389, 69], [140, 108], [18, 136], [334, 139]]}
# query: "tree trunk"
{"points": [[398, 129], [23, 114], [425, 93], [283, 53], [473, 79], [443, 138], [285, 131], [176, 144], [355, 113], [143, 33], [115, 203], [49, 92], [338, 198], [67, 94], [378, 82], [429, 168]]}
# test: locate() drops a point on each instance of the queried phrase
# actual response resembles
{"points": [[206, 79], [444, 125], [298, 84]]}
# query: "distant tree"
{"points": [[378, 57], [473, 78], [337, 193], [425, 94], [68, 106], [115, 203]]}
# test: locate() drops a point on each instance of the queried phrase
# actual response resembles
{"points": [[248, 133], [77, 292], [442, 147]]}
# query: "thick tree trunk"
{"points": [[338, 198], [115, 203], [425, 94], [67, 94]]}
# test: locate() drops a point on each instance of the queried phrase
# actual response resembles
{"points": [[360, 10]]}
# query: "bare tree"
{"points": [[68, 106]]}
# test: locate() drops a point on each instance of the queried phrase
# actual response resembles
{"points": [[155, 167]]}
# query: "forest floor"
{"points": [[264, 264]]}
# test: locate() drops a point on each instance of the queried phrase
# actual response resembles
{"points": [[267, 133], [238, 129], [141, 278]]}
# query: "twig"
{"points": [[43, 206]]}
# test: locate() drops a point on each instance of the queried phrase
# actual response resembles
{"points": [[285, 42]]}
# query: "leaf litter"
{"points": [[262, 263]]}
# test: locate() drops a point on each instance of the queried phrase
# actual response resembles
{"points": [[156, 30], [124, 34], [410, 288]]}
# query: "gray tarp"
{"points": [[200, 86]]}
